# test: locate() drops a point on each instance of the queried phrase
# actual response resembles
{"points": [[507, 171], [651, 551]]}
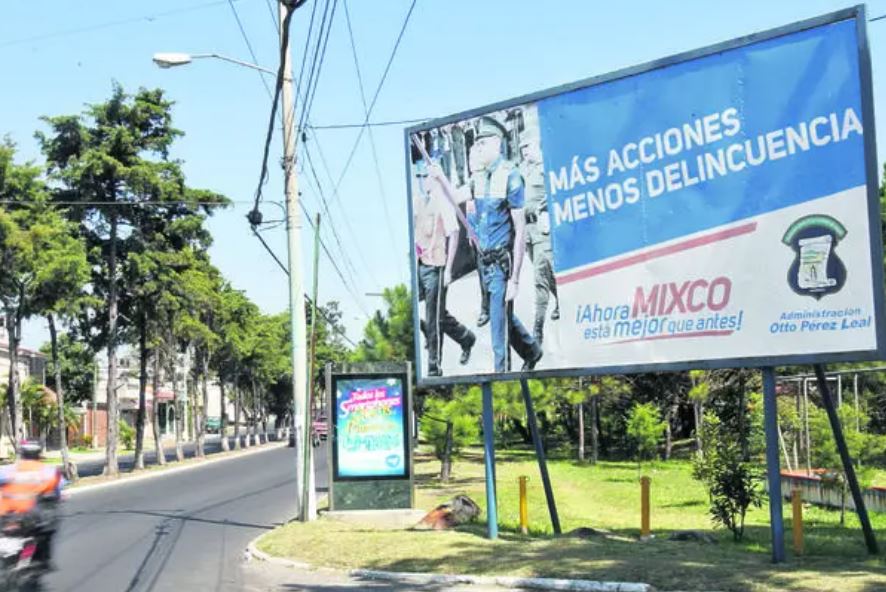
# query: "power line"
{"points": [[381, 83], [249, 46], [374, 124], [350, 288], [263, 175], [341, 209], [381, 186], [317, 61], [150, 18], [307, 298], [304, 53], [121, 204], [325, 204], [877, 18], [273, 14]]}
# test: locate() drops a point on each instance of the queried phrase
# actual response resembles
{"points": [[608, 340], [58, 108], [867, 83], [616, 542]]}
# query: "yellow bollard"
{"points": [[644, 507], [797, 503], [524, 508]]}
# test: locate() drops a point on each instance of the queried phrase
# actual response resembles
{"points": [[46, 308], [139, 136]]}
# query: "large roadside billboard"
{"points": [[713, 209]]}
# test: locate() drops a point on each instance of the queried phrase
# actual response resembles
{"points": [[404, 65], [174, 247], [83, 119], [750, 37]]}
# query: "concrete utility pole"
{"points": [[307, 508]]}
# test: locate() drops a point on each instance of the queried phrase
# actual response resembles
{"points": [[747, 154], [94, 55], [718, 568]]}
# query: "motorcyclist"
{"points": [[31, 490]]}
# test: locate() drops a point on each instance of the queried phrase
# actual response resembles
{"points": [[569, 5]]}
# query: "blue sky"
{"points": [[455, 55]]}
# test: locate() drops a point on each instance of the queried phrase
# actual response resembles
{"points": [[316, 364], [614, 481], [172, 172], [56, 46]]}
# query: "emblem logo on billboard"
{"points": [[817, 270]]}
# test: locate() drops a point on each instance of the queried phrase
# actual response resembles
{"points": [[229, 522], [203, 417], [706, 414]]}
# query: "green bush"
{"points": [[733, 485], [644, 429], [127, 435]]}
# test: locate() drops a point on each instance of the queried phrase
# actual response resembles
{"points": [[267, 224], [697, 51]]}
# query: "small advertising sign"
{"points": [[370, 428]]}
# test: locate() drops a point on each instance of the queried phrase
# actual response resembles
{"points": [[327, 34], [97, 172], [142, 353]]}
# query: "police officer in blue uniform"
{"points": [[496, 215]]}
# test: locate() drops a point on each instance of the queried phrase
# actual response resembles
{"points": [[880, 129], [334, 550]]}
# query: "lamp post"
{"points": [[306, 499]]}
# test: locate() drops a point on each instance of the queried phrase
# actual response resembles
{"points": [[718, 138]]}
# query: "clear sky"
{"points": [[455, 55]]}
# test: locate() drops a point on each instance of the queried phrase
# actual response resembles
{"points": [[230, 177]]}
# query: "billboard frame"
{"points": [[875, 240], [406, 404]]}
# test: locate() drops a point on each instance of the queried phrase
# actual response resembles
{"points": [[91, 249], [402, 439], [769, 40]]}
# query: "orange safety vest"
{"points": [[30, 480]]}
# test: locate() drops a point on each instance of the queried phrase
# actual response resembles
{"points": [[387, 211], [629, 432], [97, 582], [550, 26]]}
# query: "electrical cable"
{"points": [[317, 58], [374, 124], [344, 254], [149, 18], [249, 46], [254, 216], [381, 83], [273, 14], [350, 288], [381, 185], [312, 90]]}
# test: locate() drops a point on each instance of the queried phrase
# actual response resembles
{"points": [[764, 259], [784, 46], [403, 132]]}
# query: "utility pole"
{"points": [[304, 472]]}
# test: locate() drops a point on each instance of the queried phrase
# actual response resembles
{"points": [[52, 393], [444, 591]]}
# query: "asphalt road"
{"points": [[183, 531], [91, 468]]}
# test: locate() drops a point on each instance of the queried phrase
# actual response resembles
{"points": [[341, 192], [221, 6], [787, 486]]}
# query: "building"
{"points": [[94, 414], [30, 364]]}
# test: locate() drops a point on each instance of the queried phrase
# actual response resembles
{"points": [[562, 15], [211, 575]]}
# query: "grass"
{"points": [[606, 496]]}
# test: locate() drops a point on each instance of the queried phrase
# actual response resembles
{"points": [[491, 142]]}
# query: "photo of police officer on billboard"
{"points": [[479, 209]]}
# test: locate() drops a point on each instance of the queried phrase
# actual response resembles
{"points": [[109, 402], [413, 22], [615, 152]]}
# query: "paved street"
{"points": [[184, 531], [93, 467]]}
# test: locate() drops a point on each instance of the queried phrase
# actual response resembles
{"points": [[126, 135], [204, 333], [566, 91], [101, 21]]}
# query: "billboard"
{"points": [[717, 208], [370, 438]]}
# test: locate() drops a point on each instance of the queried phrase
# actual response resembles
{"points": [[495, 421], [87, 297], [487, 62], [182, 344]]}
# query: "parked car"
{"points": [[319, 430]]}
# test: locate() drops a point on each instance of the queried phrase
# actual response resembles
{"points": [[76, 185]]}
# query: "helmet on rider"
{"points": [[30, 449]]}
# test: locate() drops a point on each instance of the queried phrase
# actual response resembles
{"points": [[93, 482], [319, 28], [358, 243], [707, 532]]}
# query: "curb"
{"points": [[252, 552], [559, 584], [503, 581], [191, 465]]}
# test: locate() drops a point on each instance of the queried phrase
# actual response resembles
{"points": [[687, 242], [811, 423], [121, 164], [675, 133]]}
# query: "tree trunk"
{"points": [[696, 416], [446, 464], [68, 467], [179, 409], [742, 423], [111, 467], [669, 441], [222, 422], [255, 411], [237, 399], [142, 387], [13, 387], [843, 502], [155, 410], [581, 432], [204, 412], [595, 432]]}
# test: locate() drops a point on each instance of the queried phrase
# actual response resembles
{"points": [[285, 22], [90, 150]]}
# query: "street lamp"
{"points": [[167, 60]]}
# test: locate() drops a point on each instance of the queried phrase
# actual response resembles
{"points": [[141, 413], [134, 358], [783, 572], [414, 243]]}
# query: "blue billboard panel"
{"points": [[718, 208]]}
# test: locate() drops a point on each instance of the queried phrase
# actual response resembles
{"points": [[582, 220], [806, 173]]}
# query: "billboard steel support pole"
{"points": [[823, 388], [540, 455], [489, 460], [773, 472]]}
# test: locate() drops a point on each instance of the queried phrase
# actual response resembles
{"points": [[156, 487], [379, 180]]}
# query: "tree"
{"points": [[698, 394], [111, 159], [863, 447], [76, 365], [20, 240], [449, 423], [237, 314], [388, 335], [733, 484], [645, 428]]}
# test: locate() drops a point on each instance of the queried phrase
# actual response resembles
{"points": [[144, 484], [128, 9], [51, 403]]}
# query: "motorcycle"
{"points": [[19, 569]]}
